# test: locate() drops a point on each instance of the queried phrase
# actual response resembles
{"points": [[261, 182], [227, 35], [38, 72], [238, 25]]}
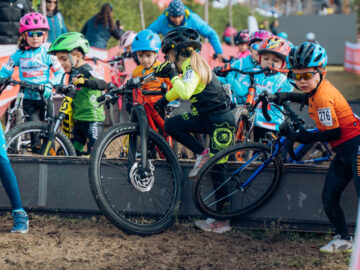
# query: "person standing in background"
{"points": [[177, 15], [98, 29], [55, 20], [11, 12]]}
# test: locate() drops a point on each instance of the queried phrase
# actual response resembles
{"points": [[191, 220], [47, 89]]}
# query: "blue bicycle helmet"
{"points": [[146, 40], [307, 55], [283, 35]]}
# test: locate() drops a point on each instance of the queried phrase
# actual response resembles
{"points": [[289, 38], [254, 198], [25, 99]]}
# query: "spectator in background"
{"points": [[98, 29], [228, 33], [55, 20], [10, 13], [274, 26], [178, 15], [265, 25]]}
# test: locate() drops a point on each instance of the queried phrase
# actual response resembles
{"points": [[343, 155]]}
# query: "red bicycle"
{"points": [[134, 174]]}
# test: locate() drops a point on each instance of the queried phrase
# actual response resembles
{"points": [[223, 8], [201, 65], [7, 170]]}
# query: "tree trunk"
{"points": [[43, 7], [141, 11], [206, 11], [231, 20]]}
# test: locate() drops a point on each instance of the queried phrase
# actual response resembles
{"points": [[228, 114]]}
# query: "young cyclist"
{"points": [[210, 105], [241, 40], [247, 63], [125, 43], [272, 54], [146, 46], [70, 49], [337, 125], [34, 64]]}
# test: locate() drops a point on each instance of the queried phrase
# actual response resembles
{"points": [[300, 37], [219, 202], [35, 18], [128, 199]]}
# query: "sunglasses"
{"points": [[35, 34], [306, 76], [51, 2]]}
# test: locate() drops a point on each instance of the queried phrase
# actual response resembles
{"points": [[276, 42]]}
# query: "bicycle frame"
{"points": [[12, 111], [54, 123]]}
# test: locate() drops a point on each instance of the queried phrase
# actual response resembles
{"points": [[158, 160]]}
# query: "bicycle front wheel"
{"points": [[29, 139], [231, 189], [134, 202]]}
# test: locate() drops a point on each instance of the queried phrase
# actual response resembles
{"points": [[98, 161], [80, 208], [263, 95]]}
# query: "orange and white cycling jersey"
{"points": [[155, 85], [330, 110]]}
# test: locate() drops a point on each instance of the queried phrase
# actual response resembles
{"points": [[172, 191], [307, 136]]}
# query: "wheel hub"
{"points": [[142, 180]]}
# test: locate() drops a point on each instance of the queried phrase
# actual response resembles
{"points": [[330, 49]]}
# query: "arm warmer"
{"points": [[322, 136], [96, 84]]}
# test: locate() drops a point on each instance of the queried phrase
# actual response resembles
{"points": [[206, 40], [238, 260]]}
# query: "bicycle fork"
{"points": [[138, 115], [51, 134]]}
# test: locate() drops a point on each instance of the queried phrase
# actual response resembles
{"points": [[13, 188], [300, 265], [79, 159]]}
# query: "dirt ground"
{"points": [[93, 243]]}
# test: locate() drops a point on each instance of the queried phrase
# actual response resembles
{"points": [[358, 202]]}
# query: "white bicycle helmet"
{"points": [[127, 38], [310, 36]]}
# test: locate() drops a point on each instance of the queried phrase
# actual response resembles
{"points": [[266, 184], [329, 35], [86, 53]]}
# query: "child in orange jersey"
{"points": [[337, 125]]}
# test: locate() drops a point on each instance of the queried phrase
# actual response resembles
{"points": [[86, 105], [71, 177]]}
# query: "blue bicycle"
{"points": [[229, 189]]}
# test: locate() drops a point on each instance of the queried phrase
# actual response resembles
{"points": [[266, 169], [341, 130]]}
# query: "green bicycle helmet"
{"points": [[68, 42]]}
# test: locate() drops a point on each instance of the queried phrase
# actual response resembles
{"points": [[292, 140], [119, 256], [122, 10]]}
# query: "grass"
{"points": [[347, 83]]}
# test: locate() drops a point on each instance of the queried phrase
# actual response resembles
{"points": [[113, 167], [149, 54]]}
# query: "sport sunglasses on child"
{"points": [[306, 76], [35, 34]]}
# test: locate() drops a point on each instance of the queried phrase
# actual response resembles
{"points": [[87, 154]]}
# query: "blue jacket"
{"points": [[162, 25], [34, 67], [57, 26], [238, 81], [98, 35]]}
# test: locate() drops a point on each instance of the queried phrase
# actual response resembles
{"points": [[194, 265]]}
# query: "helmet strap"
{"points": [[71, 61]]}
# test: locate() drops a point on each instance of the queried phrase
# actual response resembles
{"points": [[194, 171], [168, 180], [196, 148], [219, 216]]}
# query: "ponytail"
{"points": [[200, 66]]}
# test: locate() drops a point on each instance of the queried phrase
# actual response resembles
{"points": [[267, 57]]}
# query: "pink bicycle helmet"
{"points": [[259, 36], [31, 21], [127, 38]]}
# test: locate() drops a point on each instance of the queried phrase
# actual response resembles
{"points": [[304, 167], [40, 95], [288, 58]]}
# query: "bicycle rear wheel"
{"points": [[28, 139], [231, 189], [135, 204]]}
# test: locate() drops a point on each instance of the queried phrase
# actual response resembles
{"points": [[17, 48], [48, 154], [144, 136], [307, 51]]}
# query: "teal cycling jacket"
{"points": [[34, 67]]}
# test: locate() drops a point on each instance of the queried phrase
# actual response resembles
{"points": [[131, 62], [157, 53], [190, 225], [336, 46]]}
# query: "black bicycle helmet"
{"points": [[307, 55], [242, 37], [180, 38]]}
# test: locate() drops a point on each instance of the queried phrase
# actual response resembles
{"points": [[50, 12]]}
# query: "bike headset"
{"points": [[179, 40], [68, 42], [277, 46], [307, 55], [145, 40]]}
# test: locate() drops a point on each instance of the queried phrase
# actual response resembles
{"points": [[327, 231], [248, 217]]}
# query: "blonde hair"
{"points": [[200, 66]]}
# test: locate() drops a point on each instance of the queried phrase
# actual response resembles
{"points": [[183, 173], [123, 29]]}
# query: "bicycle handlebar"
{"points": [[8, 81], [116, 59], [296, 120], [135, 83]]}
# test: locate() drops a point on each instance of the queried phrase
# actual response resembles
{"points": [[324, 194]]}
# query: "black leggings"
{"points": [[34, 109], [342, 169], [86, 132], [220, 127]]}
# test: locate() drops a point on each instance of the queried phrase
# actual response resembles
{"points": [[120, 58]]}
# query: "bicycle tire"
{"points": [[218, 193], [25, 131], [120, 199]]}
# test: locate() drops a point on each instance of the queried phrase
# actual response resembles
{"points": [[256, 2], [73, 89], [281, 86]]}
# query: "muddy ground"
{"points": [[55, 242]]}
